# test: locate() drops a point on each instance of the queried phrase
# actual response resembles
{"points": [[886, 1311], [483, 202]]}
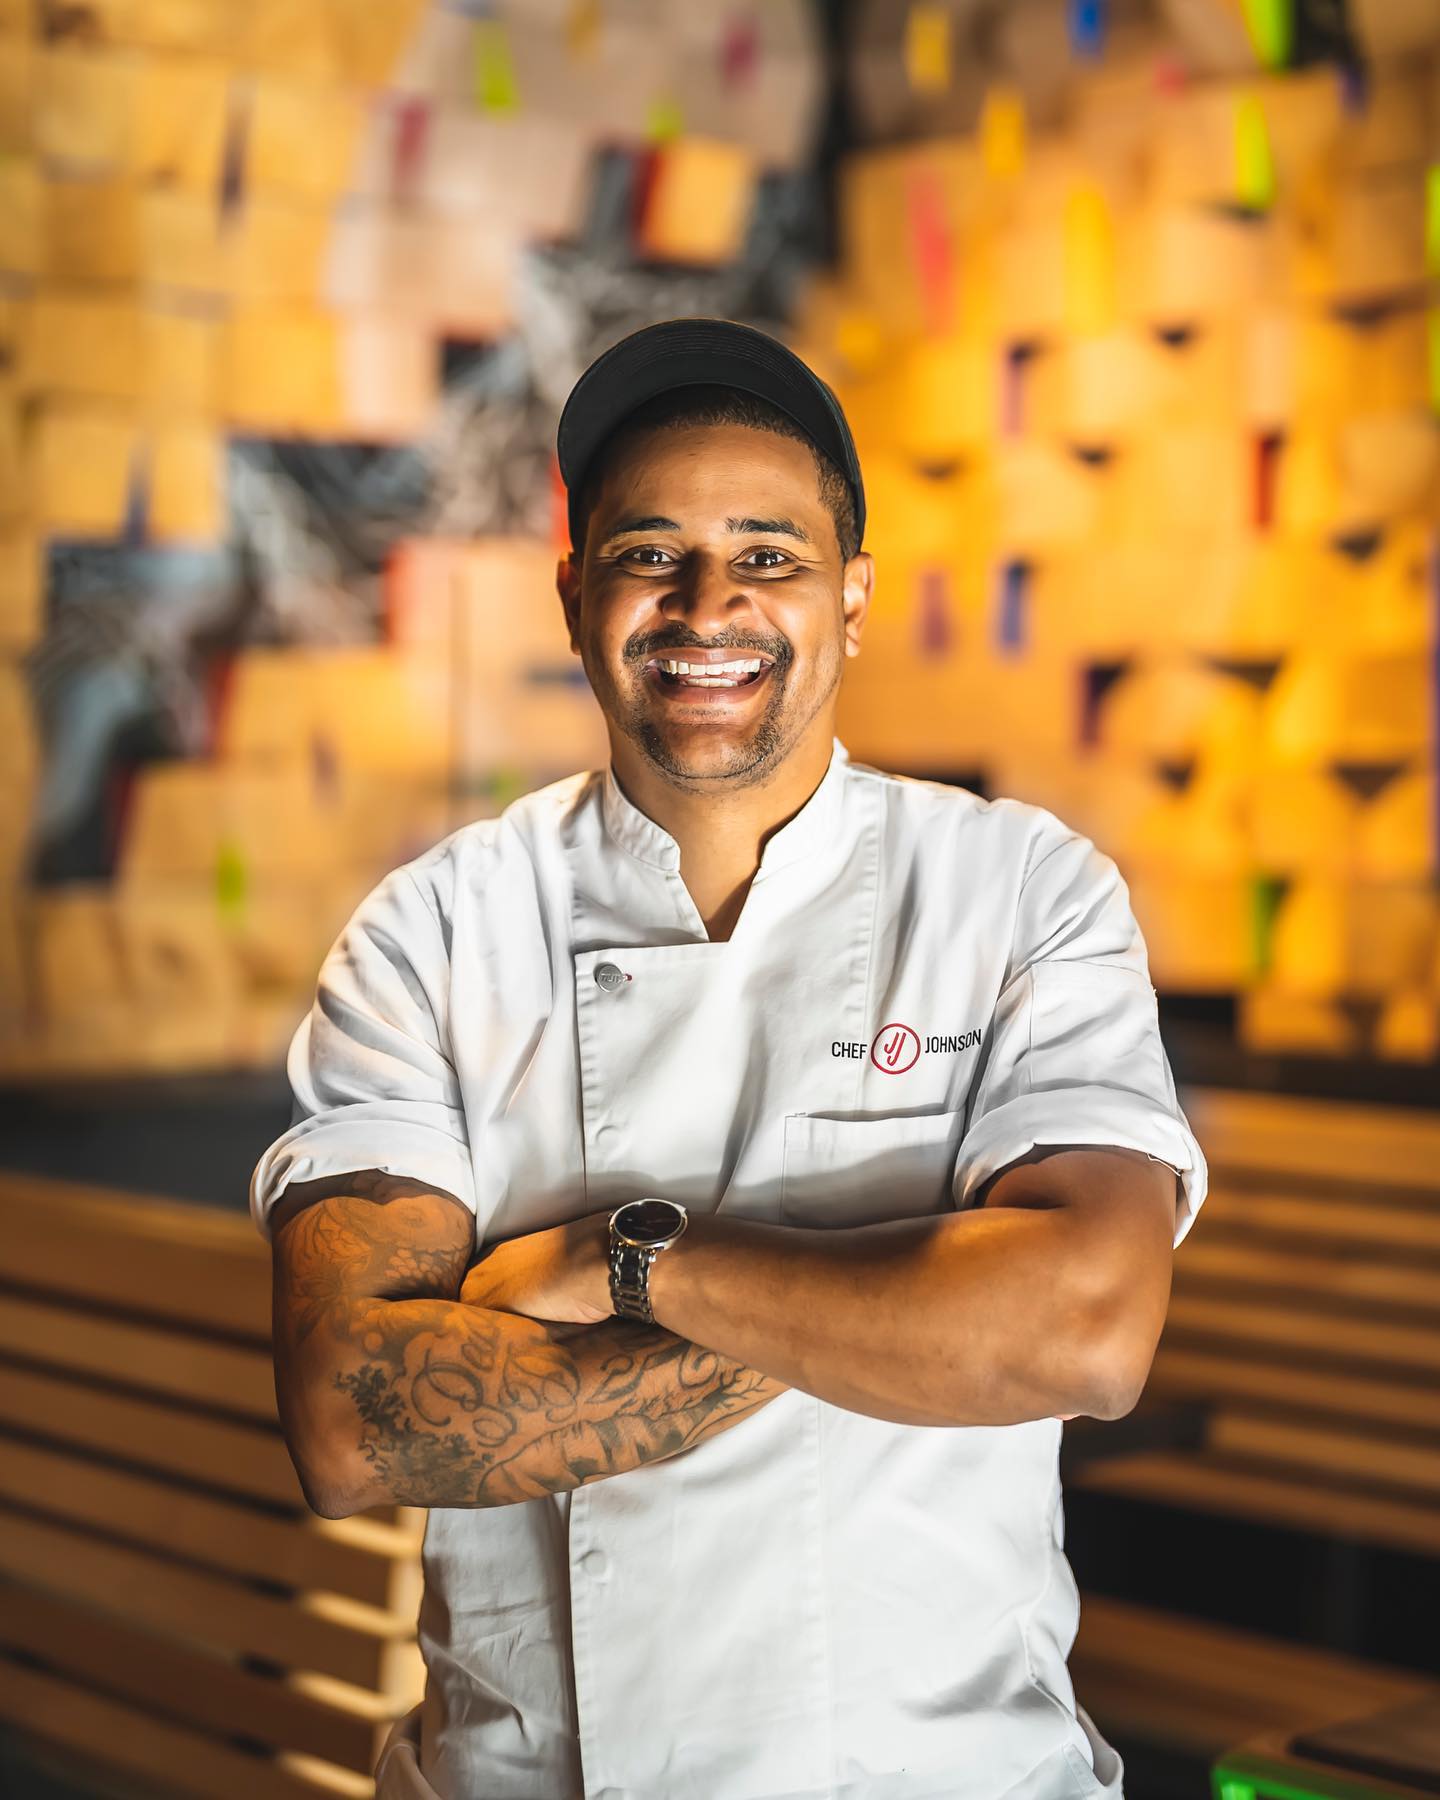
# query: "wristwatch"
{"points": [[639, 1231]]}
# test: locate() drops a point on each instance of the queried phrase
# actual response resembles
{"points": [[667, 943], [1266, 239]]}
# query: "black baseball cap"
{"points": [[680, 353]]}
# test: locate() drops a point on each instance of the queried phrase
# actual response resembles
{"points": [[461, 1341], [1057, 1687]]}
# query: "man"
{"points": [[749, 1491]]}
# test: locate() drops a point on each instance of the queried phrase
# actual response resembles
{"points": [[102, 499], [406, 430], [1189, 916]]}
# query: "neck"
{"points": [[722, 826]]}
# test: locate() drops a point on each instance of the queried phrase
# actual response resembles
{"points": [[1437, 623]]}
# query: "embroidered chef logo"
{"points": [[896, 1049]]}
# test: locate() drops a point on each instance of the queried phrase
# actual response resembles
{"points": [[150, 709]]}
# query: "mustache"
{"points": [[778, 652]]}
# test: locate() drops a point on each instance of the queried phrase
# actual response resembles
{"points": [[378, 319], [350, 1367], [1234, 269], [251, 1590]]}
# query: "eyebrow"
{"points": [[776, 527], [625, 526], [779, 527]]}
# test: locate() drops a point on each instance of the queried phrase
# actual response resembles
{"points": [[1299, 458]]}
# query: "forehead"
{"points": [[707, 472]]}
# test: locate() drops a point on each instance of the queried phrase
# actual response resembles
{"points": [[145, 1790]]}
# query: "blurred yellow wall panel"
{"points": [[1270, 1019], [280, 370], [301, 138], [1408, 1028], [1358, 708], [1396, 831], [83, 461], [1199, 930], [22, 603], [180, 354], [85, 342], [181, 243], [293, 40], [1177, 709], [186, 483], [185, 815], [697, 208], [1304, 820], [23, 217], [1360, 241], [17, 93], [93, 228], [178, 135], [85, 107], [276, 251], [1332, 938]]}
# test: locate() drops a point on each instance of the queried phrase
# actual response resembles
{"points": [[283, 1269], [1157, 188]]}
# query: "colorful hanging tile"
{"points": [[495, 89], [927, 49]]}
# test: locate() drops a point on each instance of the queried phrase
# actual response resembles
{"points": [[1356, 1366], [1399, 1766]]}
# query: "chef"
{"points": [[824, 1111]]}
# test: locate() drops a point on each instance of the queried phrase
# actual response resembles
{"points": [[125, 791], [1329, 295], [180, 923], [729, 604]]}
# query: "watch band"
{"points": [[630, 1280]]}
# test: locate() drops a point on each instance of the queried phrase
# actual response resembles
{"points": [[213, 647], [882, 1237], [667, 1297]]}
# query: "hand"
{"points": [[561, 1274]]}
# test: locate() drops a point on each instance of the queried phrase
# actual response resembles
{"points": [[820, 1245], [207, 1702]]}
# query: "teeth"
{"points": [[704, 669]]}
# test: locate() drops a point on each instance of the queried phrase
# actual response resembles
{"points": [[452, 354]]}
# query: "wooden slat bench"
{"points": [[169, 1606], [1305, 1321], [1203, 1688], [1305, 1313]]}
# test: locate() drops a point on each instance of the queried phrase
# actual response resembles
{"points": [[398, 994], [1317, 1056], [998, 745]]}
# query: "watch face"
{"points": [[647, 1221]]}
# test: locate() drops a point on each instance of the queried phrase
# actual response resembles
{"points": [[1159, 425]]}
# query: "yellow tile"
{"points": [[22, 217], [182, 243], [22, 589], [207, 26], [17, 94], [370, 40], [180, 123], [186, 475], [180, 361], [291, 40], [85, 106], [83, 458], [92, 229], [698, 206], [275, 250], [301, 138], [84, 342], [280, 370]]}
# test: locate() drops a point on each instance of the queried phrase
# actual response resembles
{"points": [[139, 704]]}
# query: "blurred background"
{"points": [[1134, 307]]}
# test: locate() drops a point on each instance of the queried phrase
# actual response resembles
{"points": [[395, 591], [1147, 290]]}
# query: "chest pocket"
{"points": [[845, 1172]]}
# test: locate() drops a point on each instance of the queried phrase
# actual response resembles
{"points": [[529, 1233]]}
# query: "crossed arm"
{"points": [[391, 1387], [399, 1379]]}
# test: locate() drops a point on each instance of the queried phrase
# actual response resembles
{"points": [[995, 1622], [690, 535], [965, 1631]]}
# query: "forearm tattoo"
{"points": [[457, 1405]]}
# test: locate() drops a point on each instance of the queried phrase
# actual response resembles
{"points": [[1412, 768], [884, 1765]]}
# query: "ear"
{"points": [[567, 585], [857, 586]]}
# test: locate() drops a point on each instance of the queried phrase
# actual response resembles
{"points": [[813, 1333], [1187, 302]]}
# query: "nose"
{"points": [[706, 596]]}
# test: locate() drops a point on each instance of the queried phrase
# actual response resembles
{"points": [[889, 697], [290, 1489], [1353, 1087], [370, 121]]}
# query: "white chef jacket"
{"points": [[922, 985]]}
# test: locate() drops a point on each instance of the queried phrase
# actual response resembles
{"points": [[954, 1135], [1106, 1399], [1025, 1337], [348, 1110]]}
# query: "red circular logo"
{"points": [[896, 1049]]}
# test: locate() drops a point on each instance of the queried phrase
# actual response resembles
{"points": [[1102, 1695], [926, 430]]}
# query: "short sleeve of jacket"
{"points": [[1074, 1054], [373, 1083]]}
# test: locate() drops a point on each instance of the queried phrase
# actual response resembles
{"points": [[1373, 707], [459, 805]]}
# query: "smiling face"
{"points": [[711, 545]]}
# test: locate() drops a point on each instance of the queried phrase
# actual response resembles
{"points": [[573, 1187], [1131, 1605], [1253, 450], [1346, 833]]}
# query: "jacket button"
{"points": [[609, 977], [593, 1562]]}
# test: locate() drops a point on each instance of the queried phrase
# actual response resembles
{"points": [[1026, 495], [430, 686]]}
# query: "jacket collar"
{"points": [[815, 826]]}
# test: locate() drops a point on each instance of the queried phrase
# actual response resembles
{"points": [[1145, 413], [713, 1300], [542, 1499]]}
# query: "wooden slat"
{"points": [[1204, 1687], [1225, 1658], [320, 1631], [224, 1452], [181, 1762], [1357, 1459], [1308, 1272], [1357, 1341], [345, 1725], [1197, 1481], [157, 1357], [378, 1565], [1360, 1220], [1231, 1373], [155, 1257], [1375, 1146]]}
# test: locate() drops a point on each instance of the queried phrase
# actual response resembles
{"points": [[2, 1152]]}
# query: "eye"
{"points": [[767, 551], [645, 550]]}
